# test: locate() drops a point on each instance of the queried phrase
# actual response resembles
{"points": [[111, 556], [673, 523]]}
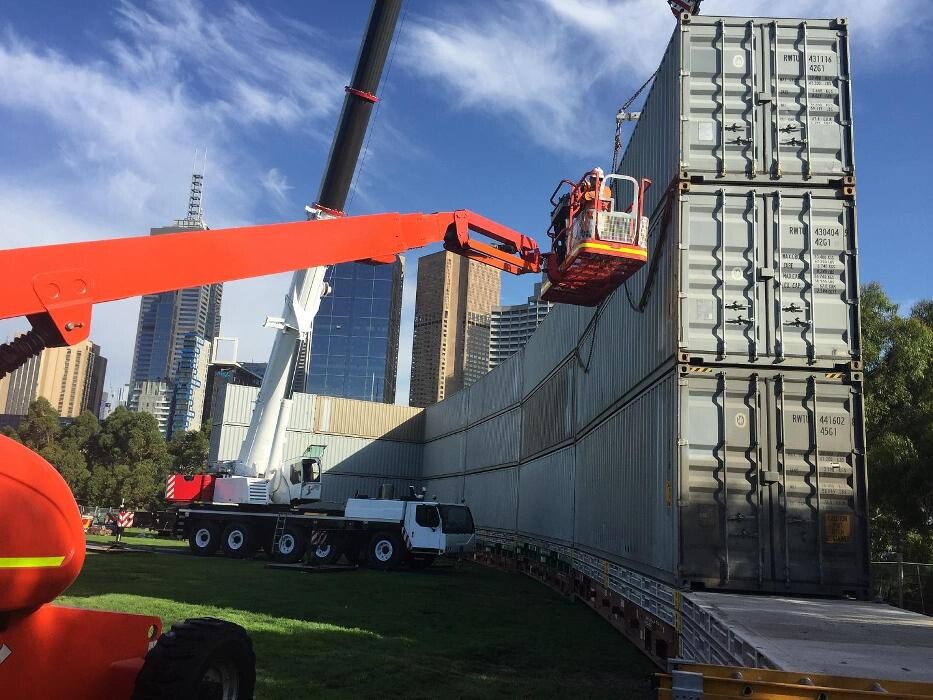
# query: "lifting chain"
{"points": [[621, 116]]}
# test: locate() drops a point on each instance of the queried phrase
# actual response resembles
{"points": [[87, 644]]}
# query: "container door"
{"points": [[807, 99], [724, 542], [811, 284], [721, 296], [817, 482], [718, 97]]}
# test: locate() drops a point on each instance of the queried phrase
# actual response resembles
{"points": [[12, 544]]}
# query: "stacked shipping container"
{"points": [[703, 425]]}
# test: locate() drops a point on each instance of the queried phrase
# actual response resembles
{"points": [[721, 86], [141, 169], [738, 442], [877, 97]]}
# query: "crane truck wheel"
{"points": [[290, 547], [199, 658], [204, 538], [385, 551], [326, 552], [238, 541]]}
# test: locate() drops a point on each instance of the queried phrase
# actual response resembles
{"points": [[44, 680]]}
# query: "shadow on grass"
{"points": [[448, 631]]}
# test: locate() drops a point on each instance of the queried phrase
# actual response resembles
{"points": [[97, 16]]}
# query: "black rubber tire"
{"points": [[186, 661], [293, 541], [204, 538], [386, 551], [246, 536], [354, 553], [326, 552], [419, 562]]}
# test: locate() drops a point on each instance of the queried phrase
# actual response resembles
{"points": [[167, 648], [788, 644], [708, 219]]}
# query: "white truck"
{"points": [[382, 533]]}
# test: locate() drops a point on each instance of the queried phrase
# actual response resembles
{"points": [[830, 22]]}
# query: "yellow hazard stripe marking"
{"points": [[30, 562], [640, 252]]}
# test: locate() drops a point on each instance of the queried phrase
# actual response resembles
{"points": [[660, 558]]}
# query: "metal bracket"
{"points": [[67, 298]]}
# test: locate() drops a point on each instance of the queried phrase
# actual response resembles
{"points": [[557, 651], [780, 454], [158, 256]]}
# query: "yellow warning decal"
{"points": [[590, 245], [700, 370], [30, 562], [837, 528], [833, 375]]}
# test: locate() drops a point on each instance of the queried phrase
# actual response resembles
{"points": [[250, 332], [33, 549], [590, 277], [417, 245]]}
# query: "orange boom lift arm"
{"points": [[72, 277]]}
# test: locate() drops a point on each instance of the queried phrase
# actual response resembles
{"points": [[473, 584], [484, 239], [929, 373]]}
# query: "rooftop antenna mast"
{"points": [[195, 217]]}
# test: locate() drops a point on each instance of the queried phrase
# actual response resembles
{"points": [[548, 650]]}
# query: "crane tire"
{"points": [[239, 540], [290, 549], [386, 550], [204, 538], [199, 658]]}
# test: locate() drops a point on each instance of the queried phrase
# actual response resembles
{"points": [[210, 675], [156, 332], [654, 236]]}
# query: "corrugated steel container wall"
{"points": [[773, 489], [353, 455], [545, 496], [337, 488], [447, 490], [745, 275], [547, 414], [494, 442], [368, 419], [235, 404], [625, 481], [446, 416], [554, 338], [444, 456], [302, 415], [493, 497], [226, 439], [738, 98], [497, 390]]}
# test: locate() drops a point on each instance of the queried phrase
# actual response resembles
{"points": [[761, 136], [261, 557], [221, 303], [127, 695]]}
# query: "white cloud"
{"points": [[539, 65], [116, 133], [276, 184]]}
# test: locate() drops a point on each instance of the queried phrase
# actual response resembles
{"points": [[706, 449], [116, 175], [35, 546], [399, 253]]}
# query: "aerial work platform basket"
{"points": [[599, 237]]}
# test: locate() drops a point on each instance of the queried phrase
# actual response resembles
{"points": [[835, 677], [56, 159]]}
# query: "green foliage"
{"points": [[41, 426], [189, 451], [898, 358], [10, 432]]}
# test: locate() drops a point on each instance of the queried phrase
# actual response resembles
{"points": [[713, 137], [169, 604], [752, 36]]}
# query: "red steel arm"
{"points": [[60, 283]]}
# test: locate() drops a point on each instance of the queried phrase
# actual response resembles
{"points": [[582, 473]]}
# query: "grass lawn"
{"points": [[138, 536], [446, 632]]}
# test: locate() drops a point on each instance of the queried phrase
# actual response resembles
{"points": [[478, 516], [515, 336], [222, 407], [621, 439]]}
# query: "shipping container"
{"points": [[547, 413], [732, 479], [367, 419], [444, 456], [739, 275], [494, 442], [492, 497], [738, 98], [447, 416], [337, 488]]}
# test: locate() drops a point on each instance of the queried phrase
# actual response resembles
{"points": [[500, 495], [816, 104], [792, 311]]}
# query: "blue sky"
{"points": [[485, 105]]}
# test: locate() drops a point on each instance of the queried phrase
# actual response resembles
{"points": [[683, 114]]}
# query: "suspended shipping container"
{"points": [[738, 98]]}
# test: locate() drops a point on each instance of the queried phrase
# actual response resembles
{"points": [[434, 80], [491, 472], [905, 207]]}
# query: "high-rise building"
{"points": [[153, 397], [190, 384], [354, 341], [453, 302], [94, 393], [166, 318], [510, 327], [114, 399], [64, 376]]}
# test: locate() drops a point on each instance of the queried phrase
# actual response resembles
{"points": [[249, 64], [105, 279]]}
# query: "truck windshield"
{"points": [[457, 520]]}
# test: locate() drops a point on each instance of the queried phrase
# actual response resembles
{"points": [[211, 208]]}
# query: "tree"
{"points": [[898, 361], [189, 451], [71, 464], [41, 426], [78, 435]]}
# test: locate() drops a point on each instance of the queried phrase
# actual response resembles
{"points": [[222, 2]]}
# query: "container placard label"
{"points": [[837, 528]]}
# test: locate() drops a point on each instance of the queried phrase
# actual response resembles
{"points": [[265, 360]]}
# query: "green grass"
{"points": [[447, 632], [138, 536]]}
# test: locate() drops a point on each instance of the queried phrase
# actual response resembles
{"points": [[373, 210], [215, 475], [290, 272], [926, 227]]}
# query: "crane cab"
{"points": [[599, 237]]}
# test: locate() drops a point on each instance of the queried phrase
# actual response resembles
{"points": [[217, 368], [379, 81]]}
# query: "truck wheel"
{"points": [[204, 538], [385, 550], [199, 658], [326, 552], [353, 552], [291, 546], [238, 541], [418, 562]]}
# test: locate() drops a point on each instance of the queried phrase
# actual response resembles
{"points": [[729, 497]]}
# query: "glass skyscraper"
{"points": [[354, 343]]}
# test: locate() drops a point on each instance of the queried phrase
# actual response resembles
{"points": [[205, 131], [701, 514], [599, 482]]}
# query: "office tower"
{"points": [[354, 343], [510, 327], [453, 302], [64, 376], [190, 384], [166, 318], [153, 397], [94, 392]]}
